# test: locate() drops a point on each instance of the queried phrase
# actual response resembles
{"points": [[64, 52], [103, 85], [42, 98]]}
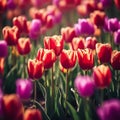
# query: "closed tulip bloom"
{"points": [[11, 35], [32, 114], [35, 27], [109, 110], [68, 34], [24, 46], [103, 52], [3, 49], [90, 42], [117, 3], [24, 88], [1, 66], [78, 42], [47, 56], [115, 59], [50, 21], [12, 107], [113, 24], [84, 85], [117, 37], [85, 58], [68, 58], [54, 42], [102, 76], [35, 68]]}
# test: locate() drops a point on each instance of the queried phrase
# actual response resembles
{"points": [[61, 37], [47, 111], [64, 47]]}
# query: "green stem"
{"points": [[35, 92], [53, 87], [66, 85]]}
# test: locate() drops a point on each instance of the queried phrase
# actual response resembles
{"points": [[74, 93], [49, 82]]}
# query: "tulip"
{"points": [[50, 21], [85, 58], [35, 29], [32, 114], [3, 48], [47, 56], [3, 4], [24, 88], [12, 107], [117, 37], [103, 52], [102, 76], [78, 43], [54, 42], [109, 110], [115, 59], [35, 68], [1, 66], [11, 35], [68, 34], [23, 46], [68, 58], [21, 23], [117, 3], [90, 42], [106, 3], [84, 85]]}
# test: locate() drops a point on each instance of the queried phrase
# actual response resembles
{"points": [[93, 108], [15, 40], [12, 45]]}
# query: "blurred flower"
{"points": [[12, 107], [11, 35], [115, 59], [84, 27], [117, 3], [113, 24], [1, 66], [24, 88], [3, 4], [23, 46], [21, 23], [35, 68], [98, 17], [1, 103], [35, 27], [84, 85], [78, 42], [90, 42], [106, 3], [50, 21], [11, 4], [68, 58], [102, 76], [68, 34], [54, 42], [103, 52], [109, 110], [117, 37], [3, 48], [32, 114], [64, 70], [85, 58], [47, 56]]}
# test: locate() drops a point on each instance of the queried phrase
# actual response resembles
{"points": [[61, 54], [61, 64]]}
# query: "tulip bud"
{"points": [[84, 86], [117, 37], [102, 76], [32, 114]]}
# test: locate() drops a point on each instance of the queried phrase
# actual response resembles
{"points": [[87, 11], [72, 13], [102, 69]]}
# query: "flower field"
{"points": [[60, 60]]}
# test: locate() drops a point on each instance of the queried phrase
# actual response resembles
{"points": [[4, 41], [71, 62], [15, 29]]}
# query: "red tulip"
{"points": [[117, 3], [54, 42], [32, 114], [68, 58], [47, 56], [78, 42], [21, 23], [1, 66], [3, 4], [12, 107], [102, 76], [35, 68], [11, 35], [85, 58], [68, 34], [24, 46], [103, 52], [115, 59]]}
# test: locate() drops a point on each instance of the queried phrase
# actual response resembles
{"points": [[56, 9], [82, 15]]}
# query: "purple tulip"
{"points": [[105, 27], [35, 29], [11, 4], [117, 37], [113, 24], [84, 27], [3, 48], [84, 86], [106, 3], [110, 110], [24, 88]]}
